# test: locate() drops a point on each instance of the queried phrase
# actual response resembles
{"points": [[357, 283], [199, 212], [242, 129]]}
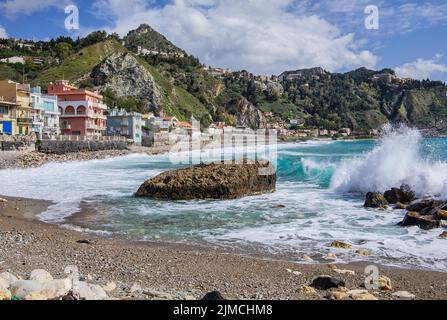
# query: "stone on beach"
{"points": [[217, 181], [7, 279], [89, 291], [5, 294], [327, 282], [384, 283], [40, 275], [363, 252], [443, 235], [441, 214], [306, 290], [403, 295], [375, 200], [50, 289], [423, 206], [343, 271], [213, 296], [341, 245], [3, 200], [109, 287], [400, 206], [330, 256]]}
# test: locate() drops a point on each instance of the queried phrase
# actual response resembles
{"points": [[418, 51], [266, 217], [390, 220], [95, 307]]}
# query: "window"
{"points": [[3, 110]]}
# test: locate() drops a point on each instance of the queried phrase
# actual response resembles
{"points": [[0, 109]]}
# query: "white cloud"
{"points": [[15, 7], [262, 36], [3, 33], [422, 69]]}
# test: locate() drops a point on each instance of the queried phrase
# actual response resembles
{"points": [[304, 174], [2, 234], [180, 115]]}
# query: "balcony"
{"points": [[38, 105], [25, 120], [66, 126]]}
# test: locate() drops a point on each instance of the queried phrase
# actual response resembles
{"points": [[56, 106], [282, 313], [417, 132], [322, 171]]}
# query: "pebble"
{"points": [[306, 289], [297, 273], [342, 271], [384, 283], [330, 256]]}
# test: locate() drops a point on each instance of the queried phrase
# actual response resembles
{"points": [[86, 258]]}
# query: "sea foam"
{"points": [[398, 159]]}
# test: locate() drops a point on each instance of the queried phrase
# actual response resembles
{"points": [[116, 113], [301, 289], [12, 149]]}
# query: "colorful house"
{"points": [[8, 122], [50, 116], [81, 111], [20, 94], [127, 124], [36, 111]]}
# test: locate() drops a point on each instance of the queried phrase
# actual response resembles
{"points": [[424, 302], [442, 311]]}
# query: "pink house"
{"points": [[82, 111]]}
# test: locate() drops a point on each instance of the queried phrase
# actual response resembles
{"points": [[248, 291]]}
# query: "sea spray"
{"points": [[397, 160]]}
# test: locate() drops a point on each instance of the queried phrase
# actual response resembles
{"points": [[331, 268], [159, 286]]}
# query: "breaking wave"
{"points": [[398, 159]]}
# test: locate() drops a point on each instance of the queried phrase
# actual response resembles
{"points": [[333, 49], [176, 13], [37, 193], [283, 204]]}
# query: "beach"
{"points": [[174, 271]]}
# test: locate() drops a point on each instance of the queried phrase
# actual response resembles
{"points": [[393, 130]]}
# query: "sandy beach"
{"points": [[172, 271]]}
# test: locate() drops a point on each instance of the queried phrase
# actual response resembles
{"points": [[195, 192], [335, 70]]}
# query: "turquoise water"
{"points": [[319, 198]]}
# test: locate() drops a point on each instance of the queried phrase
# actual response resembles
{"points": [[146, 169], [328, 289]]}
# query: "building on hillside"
{"points": [[345, 132], [127, 124], [81, 110], [16, 59], [8, 121], [161, 123], [20, 94]]}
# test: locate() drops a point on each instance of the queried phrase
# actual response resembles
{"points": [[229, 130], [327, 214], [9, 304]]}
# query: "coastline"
{"points": [[176, 271]]}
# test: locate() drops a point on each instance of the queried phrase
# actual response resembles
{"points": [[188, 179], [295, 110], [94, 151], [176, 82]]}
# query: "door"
{"points": [[7, 127]]}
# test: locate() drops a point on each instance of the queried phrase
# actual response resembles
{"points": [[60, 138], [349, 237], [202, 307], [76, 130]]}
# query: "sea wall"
{"points": [[63, 147]]}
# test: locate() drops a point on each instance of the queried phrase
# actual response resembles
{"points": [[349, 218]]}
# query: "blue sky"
{"points": [[263, 36]]}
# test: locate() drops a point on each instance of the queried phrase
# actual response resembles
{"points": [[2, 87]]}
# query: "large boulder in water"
{"points": [[217, 181], [404, 195], [423, 222], [375, 200], [424, 206]]}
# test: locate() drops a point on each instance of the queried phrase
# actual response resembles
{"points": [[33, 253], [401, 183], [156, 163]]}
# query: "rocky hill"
{"points": [[146, 72]]}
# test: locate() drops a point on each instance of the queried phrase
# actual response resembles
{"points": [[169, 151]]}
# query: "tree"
{"points": [[63, 50]]}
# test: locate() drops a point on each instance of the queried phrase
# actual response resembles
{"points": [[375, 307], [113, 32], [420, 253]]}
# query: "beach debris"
{"points": [[306, 289], [40, 275], [213, 296], [5, 294], [341, 245], [110, 286], [327, 282], [375, 200], [363, 252], [424, 222], [404, 194], [404, 295], [297, 273], [400, 206]]}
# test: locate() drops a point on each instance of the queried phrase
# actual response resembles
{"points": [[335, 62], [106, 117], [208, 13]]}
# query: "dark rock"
{"points": [[212, 181], [404, 194], [71, 296], [84, 242], [375, 200], [423, 222], [213, 296], [327, 282], [423, 206]]}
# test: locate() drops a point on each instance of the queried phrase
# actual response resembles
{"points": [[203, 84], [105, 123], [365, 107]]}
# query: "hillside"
{"points": [[146, 72]]}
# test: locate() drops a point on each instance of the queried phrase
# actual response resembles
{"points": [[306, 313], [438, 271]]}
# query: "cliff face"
{"points": [[246, 113], [125, 76]]}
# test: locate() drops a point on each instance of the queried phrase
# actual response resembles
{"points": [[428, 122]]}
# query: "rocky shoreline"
{"points": [[124, 270]]}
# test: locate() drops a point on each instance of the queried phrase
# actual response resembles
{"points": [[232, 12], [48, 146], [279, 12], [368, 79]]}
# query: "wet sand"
{"points": [[175, 271]]}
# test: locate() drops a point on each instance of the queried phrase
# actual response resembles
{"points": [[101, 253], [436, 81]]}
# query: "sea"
{"points": [[320, 195]]}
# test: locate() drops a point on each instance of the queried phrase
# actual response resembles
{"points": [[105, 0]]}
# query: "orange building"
{"points": [[82, 111]]}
